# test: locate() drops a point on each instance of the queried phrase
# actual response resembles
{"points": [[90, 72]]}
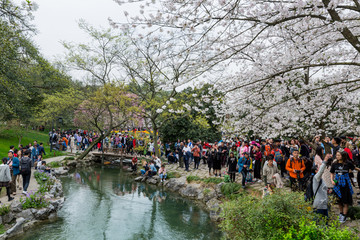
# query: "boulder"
{"points": [[71, 164], [139, 179], [52, 216], [214, 209], [174, 184], [60, 171], [218, 189], [17, 228], [152, 180], [26, 214], [209, 195], [191, 190], [7, 218], [41, 214], [57, 203], [15, 206]]}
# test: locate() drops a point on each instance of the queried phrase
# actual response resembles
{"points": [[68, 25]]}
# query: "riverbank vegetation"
{"points": [[282, 215]]}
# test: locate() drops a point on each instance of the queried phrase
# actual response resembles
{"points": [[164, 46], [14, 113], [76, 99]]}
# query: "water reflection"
{"points": [[107, 204]]}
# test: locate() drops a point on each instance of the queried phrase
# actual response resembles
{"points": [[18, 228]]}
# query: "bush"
{"points": [[206, 191], [230, 188], [249, 217], [44, 181], [2, 229], [41, 176], [311, 231], [190, 178], [354, 213], [173, 175], [212, 180], [4, 210], [54, 164], [33, 200]]}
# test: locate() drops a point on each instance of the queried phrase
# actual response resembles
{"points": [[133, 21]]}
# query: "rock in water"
{"points": [[17, 228]]}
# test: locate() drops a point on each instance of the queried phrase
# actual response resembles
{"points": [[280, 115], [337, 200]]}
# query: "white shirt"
{"points": [[187, 149]]}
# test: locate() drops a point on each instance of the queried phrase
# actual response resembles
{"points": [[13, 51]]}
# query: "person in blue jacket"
{"points": [[244, 165], [13, 163]]}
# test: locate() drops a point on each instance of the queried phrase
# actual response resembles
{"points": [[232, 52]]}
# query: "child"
{"points": [[162, 173]]}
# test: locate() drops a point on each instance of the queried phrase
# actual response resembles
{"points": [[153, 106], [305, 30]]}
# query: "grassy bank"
{"points": [[10, 137]]}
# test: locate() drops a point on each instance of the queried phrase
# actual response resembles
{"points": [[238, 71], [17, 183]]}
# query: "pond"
{"points": [[106, 203]]}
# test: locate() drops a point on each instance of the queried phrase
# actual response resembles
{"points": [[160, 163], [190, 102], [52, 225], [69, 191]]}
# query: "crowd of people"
{"points": [[326, 164], [17, 166]]}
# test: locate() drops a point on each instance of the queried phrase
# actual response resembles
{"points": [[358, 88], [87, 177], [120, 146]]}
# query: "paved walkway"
{"points": [[33, 186]]}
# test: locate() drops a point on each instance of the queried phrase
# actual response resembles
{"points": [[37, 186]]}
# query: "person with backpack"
{"points": [[5, 177], [13, 163], [279, 158], [318, 189], [25, 169], [244, 167], [296, 168]]}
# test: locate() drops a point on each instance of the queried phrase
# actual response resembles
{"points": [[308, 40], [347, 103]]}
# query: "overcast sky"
{"points": [[57, 20]]}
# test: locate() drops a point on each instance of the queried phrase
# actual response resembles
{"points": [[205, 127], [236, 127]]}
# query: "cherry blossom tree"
{"points": [[290, 67], [109, 108]]}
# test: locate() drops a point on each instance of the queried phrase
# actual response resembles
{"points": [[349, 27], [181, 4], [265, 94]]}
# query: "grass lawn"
{"points": [[8, 137]]}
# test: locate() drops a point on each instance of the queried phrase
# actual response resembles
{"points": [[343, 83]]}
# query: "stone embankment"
{"points": [[19, 220], [209, 195]]}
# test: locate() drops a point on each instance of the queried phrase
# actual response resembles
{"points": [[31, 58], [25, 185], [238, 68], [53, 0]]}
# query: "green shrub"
{"points": [[249, 217], [311, 231], [212, 180], [206, 191], [230, 188], [44, 181], [354, 213], [54, 164], [190, 178], [173, 175], [4, 210], [226, 178], [33, 200], [2, 229], [69, 158]]}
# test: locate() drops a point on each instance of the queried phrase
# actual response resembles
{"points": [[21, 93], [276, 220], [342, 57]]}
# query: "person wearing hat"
{"points": [[243, 167]]}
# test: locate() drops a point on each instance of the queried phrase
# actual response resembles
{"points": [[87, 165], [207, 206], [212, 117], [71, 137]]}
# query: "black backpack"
{"points": [[25, 165], [309, 194]]}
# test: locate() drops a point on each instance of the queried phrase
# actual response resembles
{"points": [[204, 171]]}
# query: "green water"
{"points": [[107, 204]]}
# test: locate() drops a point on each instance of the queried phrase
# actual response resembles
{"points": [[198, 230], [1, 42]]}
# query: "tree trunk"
{"points": [[86, 152], [155, 136], [156, 146]]}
